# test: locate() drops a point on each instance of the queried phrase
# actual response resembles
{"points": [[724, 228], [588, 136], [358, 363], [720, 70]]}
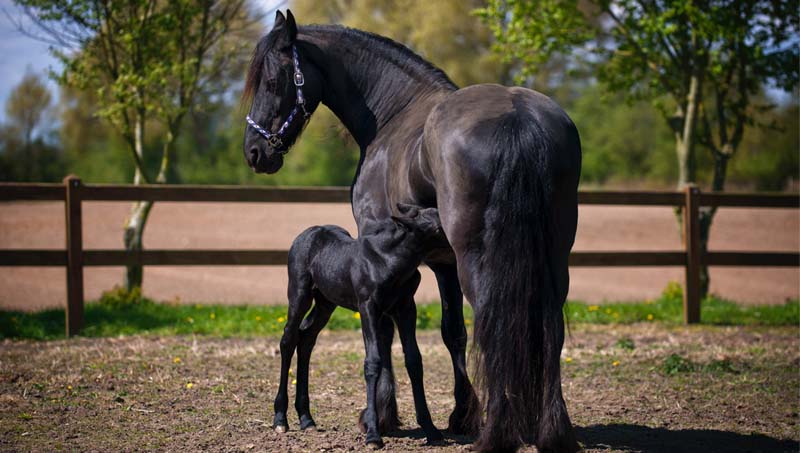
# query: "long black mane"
{"points": [[373, 52]]}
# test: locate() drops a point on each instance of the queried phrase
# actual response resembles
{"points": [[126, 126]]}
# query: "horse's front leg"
{"points": [[466, 416], [372, 368], [406, 316]]}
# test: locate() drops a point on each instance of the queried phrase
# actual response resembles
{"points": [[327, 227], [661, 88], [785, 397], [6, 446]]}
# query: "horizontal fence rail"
{"points": [[73, 193], [265, 257]]}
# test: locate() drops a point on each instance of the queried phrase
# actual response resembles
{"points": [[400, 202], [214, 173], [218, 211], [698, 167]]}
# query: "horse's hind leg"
{"points": [[466, 416], [299, 302], [309, 331], [406, 317]]}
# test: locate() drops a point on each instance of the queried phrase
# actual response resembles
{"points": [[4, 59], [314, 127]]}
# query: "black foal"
{"points": [[375, 275]]}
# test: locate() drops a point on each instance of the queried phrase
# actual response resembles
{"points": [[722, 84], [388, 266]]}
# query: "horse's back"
{"points": [[472, 118]]}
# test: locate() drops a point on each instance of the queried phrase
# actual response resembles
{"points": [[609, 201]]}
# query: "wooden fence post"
{"points": [[72, 207], [691, 240]]}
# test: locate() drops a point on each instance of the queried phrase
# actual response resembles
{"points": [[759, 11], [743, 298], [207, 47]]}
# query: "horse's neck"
{"points": [[366, 90]]}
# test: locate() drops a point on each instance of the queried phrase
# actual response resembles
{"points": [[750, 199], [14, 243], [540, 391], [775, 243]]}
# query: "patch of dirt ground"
{"points": [[200, 393]]}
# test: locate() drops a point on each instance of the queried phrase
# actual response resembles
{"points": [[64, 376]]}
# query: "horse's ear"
{"points": [[291, 26], [280, 19]]}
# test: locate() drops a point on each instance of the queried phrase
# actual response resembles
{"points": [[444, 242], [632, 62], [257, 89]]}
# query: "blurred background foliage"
{"points": [[626, 144]]}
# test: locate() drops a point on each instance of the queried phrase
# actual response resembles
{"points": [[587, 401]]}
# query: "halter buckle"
{"points": [[274, 141], [299, 80]]}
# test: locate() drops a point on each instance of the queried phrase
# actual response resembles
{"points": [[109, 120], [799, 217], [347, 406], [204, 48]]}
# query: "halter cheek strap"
{"points": [[275, 140]]}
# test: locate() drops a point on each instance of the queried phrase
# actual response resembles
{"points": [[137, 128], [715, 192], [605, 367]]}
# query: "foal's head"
{"points": [[285, 88], [422, 223]]}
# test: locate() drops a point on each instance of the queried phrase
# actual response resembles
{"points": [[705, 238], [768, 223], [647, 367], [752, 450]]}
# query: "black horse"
{"points": [[501, 165], [375, 275]]}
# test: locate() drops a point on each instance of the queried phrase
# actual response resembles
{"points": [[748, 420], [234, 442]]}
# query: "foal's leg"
{"points": [[372, 368], [466, 416], [406, 317], [309, 330], [386, 399], [299, 302]]}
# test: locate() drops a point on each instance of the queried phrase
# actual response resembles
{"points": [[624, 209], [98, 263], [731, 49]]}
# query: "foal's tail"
{"points": [[518, 317]]}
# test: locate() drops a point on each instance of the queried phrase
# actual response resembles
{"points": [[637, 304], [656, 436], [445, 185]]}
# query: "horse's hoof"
{"points": [[311, 427], [375, 445], [281, 428], [435, 439]]}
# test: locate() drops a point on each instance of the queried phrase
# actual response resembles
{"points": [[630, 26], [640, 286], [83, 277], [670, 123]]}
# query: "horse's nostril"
{"points": [[253, 155]]}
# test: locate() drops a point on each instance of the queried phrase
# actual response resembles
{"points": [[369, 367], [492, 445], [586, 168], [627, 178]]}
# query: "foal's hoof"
{"points": [[375, 444], [281, 428], [307, 423]]}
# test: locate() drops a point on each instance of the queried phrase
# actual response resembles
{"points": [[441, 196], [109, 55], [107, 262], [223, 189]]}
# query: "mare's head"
{"points": [[422, 223], [285, 89]]}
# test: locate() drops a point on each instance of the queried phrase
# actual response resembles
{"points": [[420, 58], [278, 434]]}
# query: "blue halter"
{"points": [[275, 140]]}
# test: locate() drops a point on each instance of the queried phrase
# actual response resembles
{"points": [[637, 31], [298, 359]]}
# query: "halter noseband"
{"points": [[275, 140]]}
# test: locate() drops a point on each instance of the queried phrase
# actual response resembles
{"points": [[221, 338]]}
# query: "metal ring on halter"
{"points": [[275, 140]]}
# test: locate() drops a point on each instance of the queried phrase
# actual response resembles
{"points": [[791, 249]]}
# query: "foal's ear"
{"points": [[404, 222], [407, 209]]}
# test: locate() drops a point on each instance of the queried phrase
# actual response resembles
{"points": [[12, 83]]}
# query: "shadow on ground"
{"points": [[658, 440]]}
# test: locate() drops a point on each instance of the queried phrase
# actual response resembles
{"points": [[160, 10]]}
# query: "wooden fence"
{"points": [[74, 257]]}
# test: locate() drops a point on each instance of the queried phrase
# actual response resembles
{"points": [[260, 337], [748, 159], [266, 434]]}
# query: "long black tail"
{"points": [[518, 317]]}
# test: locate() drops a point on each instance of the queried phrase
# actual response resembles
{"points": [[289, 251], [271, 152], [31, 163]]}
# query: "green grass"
{"points": [[668, 308], [121, 313], [675, 364]]}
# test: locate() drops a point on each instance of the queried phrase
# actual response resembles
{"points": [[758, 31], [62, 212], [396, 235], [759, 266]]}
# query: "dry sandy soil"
{"points": [[133, 394], [214, 225]]}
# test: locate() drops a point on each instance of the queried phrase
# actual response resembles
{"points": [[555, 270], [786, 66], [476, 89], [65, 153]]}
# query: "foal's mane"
{"points": [[366, 46]]}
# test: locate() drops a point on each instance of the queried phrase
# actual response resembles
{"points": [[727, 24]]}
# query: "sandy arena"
{"points": [[273, 226]]}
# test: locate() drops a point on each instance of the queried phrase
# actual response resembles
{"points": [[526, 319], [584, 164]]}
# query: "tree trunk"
{"points": [[683, 125], [685, 140], [134, 225], [134, 231], [707, 213], [687, 169]]}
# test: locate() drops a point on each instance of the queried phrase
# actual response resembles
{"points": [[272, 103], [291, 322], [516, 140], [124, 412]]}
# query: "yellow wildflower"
{"points": [[212, 315], [281, 319], [593, 308], [190, 320], [258, 318], [357, 315], [294, 381], [177, 360], [608, 311], [649, 316], [615, 363], [468, 322], [189, 385], [568, 360], [69, 387]]}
